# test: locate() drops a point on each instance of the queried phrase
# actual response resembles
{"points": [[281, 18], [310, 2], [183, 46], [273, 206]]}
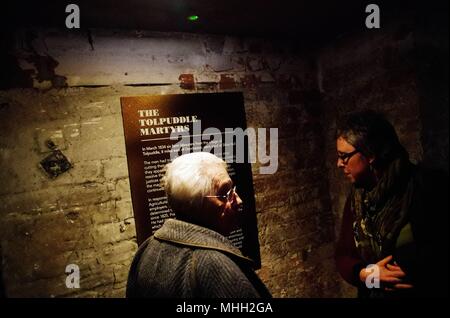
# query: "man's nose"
{"points": [[237, 200], [340, 163]]}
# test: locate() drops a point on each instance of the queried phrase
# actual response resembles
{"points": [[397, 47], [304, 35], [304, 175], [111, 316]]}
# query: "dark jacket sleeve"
{"points": [[348, 261]]}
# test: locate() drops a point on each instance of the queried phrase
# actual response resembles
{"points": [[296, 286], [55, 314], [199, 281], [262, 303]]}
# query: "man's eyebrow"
{"points": [[227, 184]]}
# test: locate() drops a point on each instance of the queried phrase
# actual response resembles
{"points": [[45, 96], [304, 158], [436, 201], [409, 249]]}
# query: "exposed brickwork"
{"points": [[85, 217], [187, 81]]}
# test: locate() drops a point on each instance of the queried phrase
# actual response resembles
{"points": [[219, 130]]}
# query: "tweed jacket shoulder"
{"points": [[185, 260]]}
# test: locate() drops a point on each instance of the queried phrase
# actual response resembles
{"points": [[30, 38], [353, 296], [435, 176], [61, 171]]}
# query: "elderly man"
{"points": [[190, 256]]}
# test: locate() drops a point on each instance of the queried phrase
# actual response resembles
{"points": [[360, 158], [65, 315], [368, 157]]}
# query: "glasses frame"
{"points": [[345, 157], [229, 197]]}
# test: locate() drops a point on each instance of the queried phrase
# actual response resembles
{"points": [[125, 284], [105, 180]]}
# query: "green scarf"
{"points": [[382, 212]]}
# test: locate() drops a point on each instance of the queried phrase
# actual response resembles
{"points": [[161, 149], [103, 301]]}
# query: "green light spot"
{"points": [[193, 17]]}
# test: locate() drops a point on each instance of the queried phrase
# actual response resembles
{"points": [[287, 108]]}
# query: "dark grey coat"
{"points": [[186, 260]]}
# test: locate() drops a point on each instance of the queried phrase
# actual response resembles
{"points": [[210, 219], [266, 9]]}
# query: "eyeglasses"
{"points": [[345, 156], [229, 196]]}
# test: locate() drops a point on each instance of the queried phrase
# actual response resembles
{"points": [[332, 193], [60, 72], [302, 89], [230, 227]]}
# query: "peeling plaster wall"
{"points": [[84, 216]]}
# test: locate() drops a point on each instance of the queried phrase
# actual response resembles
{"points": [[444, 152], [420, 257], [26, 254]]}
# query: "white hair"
{"points": [[189, 178]]}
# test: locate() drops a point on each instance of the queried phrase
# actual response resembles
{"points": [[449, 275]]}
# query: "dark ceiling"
{"points": [[310, 21]]}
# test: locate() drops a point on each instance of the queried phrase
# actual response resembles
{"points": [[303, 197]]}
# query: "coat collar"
{"points": [[189, 234]]}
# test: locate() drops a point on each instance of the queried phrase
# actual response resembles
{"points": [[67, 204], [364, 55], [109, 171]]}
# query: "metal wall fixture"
{"points": [[56, 163]]}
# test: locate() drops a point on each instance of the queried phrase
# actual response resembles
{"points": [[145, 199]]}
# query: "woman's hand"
{"points": [[390, 275]]}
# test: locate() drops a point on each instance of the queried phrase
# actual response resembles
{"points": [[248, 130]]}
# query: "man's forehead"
{"points": [[221, 178]]}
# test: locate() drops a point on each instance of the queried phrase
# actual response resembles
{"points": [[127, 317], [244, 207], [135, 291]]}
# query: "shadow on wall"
{"points": [[2, 286]]}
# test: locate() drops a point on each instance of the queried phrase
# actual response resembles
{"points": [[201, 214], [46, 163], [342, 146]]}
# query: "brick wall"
{"points": [[84, 216], [67, 87]]}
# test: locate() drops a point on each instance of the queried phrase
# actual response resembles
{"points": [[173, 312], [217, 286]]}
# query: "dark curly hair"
{"points": [[372, 134]]}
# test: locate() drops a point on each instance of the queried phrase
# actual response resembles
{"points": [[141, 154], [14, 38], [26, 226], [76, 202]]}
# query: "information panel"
{"points": [[203, 122]]}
